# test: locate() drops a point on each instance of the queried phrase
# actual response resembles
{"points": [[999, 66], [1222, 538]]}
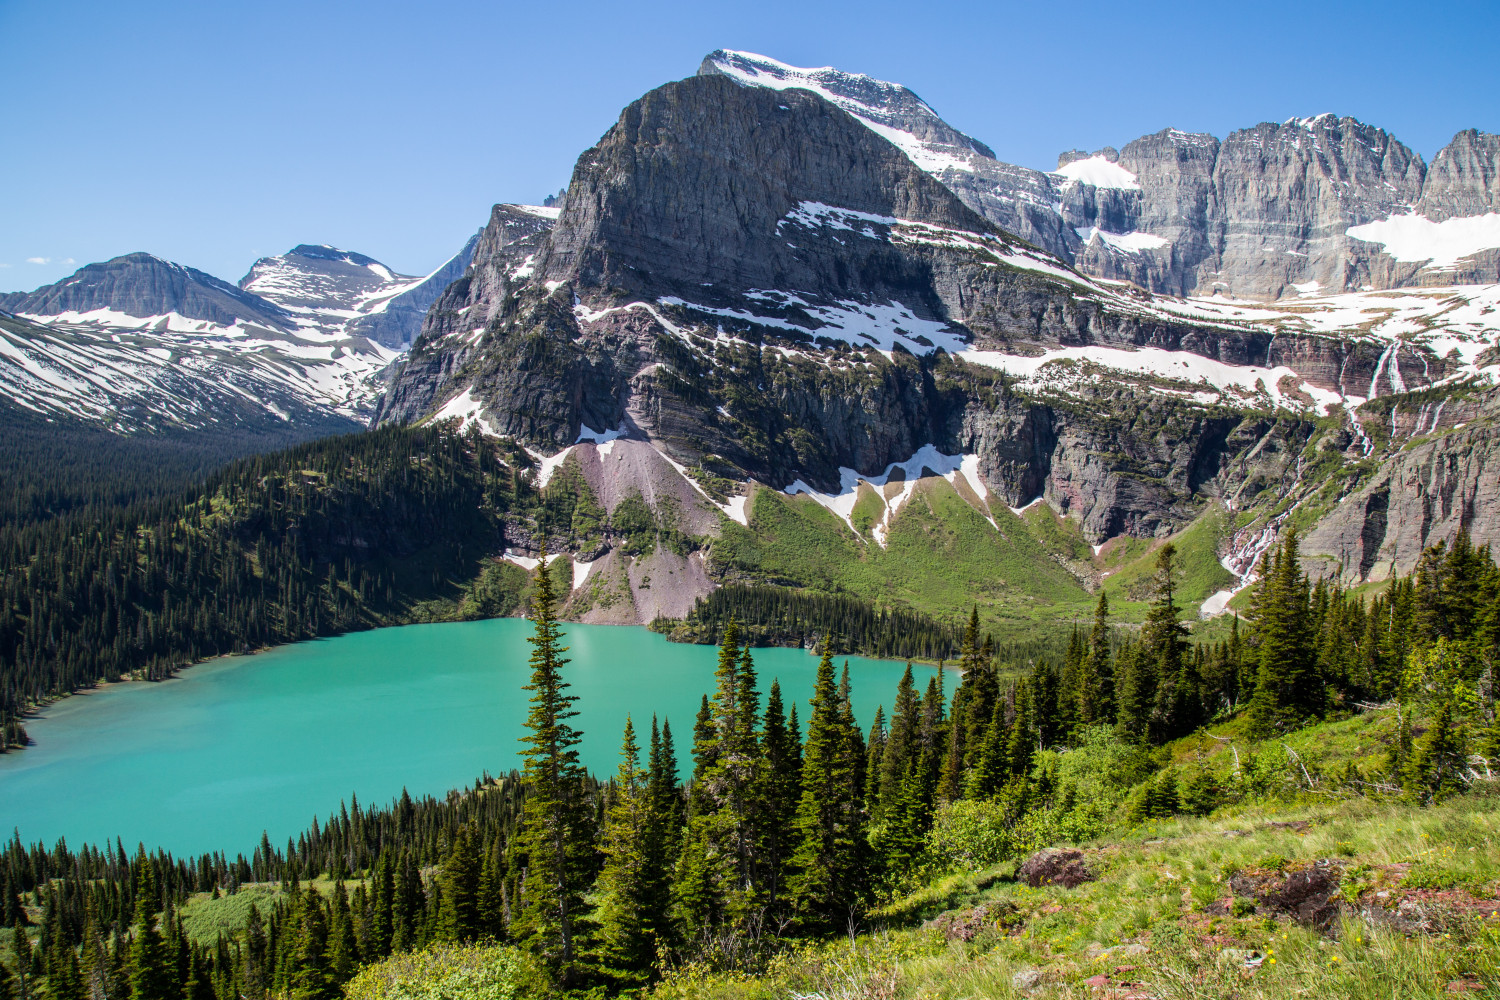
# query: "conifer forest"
{"points": [[760, 824]]}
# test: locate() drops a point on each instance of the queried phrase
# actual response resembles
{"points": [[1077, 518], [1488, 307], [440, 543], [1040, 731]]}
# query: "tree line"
{"points": [[785, 825], [341, 534]]}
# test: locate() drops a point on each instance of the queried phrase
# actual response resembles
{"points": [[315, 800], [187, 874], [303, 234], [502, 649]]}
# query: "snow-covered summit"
{"points": [[890, 110]]}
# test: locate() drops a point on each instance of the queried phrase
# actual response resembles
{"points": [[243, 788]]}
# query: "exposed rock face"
{"points": [[452, 327], [753, 281], [1265, 214], [1424, 494], [1464, 179], [139, 284]]}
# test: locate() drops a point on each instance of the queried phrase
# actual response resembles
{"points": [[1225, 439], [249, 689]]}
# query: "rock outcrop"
{"points": [[1264, 214]]}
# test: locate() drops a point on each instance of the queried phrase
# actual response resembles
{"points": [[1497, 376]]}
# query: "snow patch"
{"points": [[879, 325], [1130, 242], [1414, 237], [927, 458], [529, 563], [1098, 172], [543, 211], [1241, 381], [586, 433]]}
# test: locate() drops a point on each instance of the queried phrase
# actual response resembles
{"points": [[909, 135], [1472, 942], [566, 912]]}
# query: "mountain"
{"points": [[1304, 207], [764, 305], [139, 286], [138, 343], [337, 291]]}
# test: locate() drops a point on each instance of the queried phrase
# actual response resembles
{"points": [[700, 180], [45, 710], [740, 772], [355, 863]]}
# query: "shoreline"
{"points": [[37, 712]]}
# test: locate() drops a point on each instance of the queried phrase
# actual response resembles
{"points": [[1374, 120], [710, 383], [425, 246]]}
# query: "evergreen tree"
{"points": [[623, 893], [874, 757], [827, 887], [21, 945], [459, 918], [779, 795], [1096, 683], [898, 755], [1439, 767], [555, 833], [343, 951], [1136, 692], [1163, 645], [309, 978], [148, 954], [1287, 687]]}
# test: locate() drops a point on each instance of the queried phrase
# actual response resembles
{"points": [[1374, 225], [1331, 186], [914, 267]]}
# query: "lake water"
{"points": [[208, 760]]}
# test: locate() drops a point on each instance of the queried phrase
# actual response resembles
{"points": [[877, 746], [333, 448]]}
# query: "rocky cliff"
{"points": [[754, 284], [1271, 212]]}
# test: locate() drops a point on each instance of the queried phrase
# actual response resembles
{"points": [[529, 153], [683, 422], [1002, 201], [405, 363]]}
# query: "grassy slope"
{"points": [[941, 556], [1161, 898]]}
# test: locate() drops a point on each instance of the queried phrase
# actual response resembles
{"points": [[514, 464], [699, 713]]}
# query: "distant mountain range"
{"points": [[768, 285], [1305, 207], [143, 343]]}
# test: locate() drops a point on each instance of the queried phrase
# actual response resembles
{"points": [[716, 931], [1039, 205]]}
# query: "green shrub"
{"points": [[450, 972], [971, 834]]}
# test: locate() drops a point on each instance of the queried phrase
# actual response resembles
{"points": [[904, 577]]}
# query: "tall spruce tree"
{"points": [[779, 795], [555, 832], [827, 887], [1287, 687], [1096, 682], [623, 893], [149, 979], [1164, 644], [459, 917]]}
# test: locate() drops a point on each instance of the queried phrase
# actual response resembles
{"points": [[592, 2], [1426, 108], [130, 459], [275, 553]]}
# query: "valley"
{"points": [[1101, 563]]}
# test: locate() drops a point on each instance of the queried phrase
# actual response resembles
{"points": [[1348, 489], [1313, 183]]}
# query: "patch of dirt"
{"points": [[1066, 868]]}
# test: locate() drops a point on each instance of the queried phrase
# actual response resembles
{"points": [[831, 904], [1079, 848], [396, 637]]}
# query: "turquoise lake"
{"points": [[209, 759]]}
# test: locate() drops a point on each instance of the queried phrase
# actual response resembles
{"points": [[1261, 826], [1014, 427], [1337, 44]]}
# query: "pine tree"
{"points": [[459, 918], [1096, 683], [898, 756], [874, 757], [626, 945], [828, 886], [1135, 692], [1287, 687], [1439, 767], [148, 954], [21, 945], [1163, 645], [343, 951], [310, 979], [779, 795], [555, 833]]}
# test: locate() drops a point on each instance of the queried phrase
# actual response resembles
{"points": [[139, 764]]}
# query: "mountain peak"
{"points": [[892, 111], [322, 251]]}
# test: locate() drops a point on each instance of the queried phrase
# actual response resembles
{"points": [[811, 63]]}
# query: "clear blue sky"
{"points": [[212, 133]]}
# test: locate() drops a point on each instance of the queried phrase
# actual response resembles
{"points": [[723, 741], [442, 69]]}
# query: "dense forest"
{"points": [[108, 570], [782, 828], [781, 616], [321, 538]]}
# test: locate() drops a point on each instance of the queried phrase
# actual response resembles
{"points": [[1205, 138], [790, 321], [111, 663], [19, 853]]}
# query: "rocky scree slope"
{"points": [[1306, 207], [764, 292]]}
